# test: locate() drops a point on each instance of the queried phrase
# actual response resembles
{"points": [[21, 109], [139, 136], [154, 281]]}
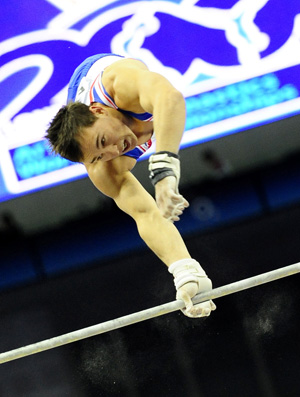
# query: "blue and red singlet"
{"points": [[86, 87]]}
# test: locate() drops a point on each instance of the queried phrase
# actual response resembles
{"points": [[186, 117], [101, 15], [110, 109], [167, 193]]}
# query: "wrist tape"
{"points": [[163, 164], [186, 271]]}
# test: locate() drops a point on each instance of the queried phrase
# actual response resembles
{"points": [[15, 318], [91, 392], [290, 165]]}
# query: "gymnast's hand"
{"points": [[190, 279], [188, 291], [170, 203]]}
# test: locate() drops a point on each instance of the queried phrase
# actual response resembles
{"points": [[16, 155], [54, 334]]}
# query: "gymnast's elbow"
{"points": [[150, 215], [149, 221], [142, 210]]}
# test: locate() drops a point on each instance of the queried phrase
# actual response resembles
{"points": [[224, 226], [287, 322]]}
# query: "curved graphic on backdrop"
{"points": [[235, 67]]}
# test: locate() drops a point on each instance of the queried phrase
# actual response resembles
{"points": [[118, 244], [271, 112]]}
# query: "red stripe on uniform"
{"points": [[106, 97], [91, 91], [148, 144]]}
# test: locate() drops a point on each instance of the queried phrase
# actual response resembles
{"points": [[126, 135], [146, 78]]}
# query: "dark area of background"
{"points": [[244, 220]]}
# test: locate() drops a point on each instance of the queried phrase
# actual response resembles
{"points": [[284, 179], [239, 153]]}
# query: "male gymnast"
{"points": [[115, 105]]}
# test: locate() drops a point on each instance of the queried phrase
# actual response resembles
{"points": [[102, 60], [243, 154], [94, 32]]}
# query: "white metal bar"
{"points": [[147, 314]]}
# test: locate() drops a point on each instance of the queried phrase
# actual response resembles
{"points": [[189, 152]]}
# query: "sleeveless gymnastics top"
{"points": [[86, 87]]}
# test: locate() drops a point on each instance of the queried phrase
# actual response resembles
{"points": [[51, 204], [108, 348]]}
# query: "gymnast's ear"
{"points": [[96, 108]]}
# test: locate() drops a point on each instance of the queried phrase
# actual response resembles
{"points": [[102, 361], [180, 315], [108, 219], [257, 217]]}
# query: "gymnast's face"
{"points": [[109, 137]]}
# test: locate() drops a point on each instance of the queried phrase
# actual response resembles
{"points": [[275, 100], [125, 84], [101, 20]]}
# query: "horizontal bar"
{"points": [[147, 314], [247, 283]]}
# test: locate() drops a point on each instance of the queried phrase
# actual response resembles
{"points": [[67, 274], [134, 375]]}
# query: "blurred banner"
{"points": [[237, 63]]}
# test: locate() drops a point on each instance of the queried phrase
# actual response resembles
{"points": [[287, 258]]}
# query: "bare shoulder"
{"points": [[124, 75], [126, 80], [125, 64]]}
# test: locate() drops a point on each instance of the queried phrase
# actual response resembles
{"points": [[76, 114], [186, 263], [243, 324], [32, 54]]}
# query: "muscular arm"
{"points": [[167, 105], [137, 89], [114, 179]]}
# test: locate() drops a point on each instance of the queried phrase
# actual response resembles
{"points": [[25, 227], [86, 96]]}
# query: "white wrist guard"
{"points": [[163, 164], [185, 271]]}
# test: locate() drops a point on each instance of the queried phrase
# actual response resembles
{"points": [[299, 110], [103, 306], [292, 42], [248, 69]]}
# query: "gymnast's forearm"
{"points": [[161, 236]]}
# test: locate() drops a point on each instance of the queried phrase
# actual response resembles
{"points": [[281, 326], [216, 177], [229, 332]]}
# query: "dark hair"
{"points": [[65, 127]]}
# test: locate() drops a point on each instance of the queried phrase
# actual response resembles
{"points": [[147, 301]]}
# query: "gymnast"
{"points": [[114, 106]]}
